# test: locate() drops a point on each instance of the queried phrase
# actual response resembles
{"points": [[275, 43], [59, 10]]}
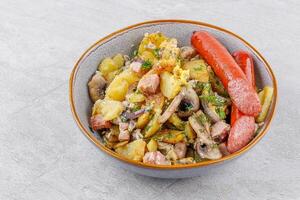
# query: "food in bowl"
{"points": [[168, 105]]}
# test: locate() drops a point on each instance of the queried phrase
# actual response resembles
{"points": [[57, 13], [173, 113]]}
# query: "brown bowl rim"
{"points": [[183, 166]]}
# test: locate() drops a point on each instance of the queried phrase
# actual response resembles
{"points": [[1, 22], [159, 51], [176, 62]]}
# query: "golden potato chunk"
{"points": [[198, 70], [109, 109], [134, 150], [169, 85], [152, 145]]}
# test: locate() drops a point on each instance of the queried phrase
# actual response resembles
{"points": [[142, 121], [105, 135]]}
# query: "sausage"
{"points": [[241, 133], [231, 75], [245, 62]]}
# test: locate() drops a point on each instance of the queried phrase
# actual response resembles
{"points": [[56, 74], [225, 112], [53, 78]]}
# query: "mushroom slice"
{"points": [[187, 52], [207, 150], [189, 104], [172, 107], [200, 123], [96, 87], [211, 113]]}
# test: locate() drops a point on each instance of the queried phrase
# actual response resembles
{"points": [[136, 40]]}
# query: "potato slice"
{"points": [[152, 145], [109, 109], [134, 150], [136, 97], [170, 136], [117, 89], [143, 120], [169, 85], [265, 97], [153, 126], [198, 70], [119, 60], [189, 132], [177, 122]]}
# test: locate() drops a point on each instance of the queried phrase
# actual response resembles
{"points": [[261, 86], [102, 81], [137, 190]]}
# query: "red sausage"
{"points": [[245, 62], [235, 114], [240, 133], [239, 89], [242, 126]]}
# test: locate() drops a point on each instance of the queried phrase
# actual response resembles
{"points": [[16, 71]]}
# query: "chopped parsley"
{"points": [[147, 65], [202, 119], [215, 100], [156, 52], [220, 111]]}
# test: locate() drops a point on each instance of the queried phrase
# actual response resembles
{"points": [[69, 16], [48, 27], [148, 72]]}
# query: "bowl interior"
{"points": [[126, 41]]}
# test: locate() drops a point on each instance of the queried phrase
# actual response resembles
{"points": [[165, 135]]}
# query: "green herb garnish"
{"points": [[220, 111], [156, 52], [147, 65], [215, 100]]}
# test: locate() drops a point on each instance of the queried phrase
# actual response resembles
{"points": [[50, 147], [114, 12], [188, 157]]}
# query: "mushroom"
{"points": [[211, 113], [223, 149], [96, 87], [200, 123], [187, 52], [189, 104], [207, 150], [219, 131], [172, 107]]}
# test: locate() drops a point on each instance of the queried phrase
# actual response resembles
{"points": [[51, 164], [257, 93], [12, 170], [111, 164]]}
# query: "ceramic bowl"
{"points": [[125, 41]]}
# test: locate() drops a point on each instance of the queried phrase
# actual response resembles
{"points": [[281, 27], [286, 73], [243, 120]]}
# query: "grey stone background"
{"points": [[43, 155]]}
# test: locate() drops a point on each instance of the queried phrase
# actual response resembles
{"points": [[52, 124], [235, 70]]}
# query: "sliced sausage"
{"points": [[239, 89], [241, 133]]}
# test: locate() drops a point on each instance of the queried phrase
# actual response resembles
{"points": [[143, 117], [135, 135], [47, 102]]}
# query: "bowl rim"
{"points": [[113, 154]]}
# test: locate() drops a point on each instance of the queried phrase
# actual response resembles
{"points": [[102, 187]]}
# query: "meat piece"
{"points": [[97, 123], [136, 134], [149, 84], [136, 66], [180, 149], [155, 158], [219, 131], [172, 107], [124, 134], [239, 89], [241, 133]]}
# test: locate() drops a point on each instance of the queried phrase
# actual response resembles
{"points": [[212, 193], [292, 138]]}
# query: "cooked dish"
{"points": [[168, 105]]}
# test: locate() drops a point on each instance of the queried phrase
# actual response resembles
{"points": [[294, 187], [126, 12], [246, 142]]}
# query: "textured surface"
{"points": [[43, 155]]}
